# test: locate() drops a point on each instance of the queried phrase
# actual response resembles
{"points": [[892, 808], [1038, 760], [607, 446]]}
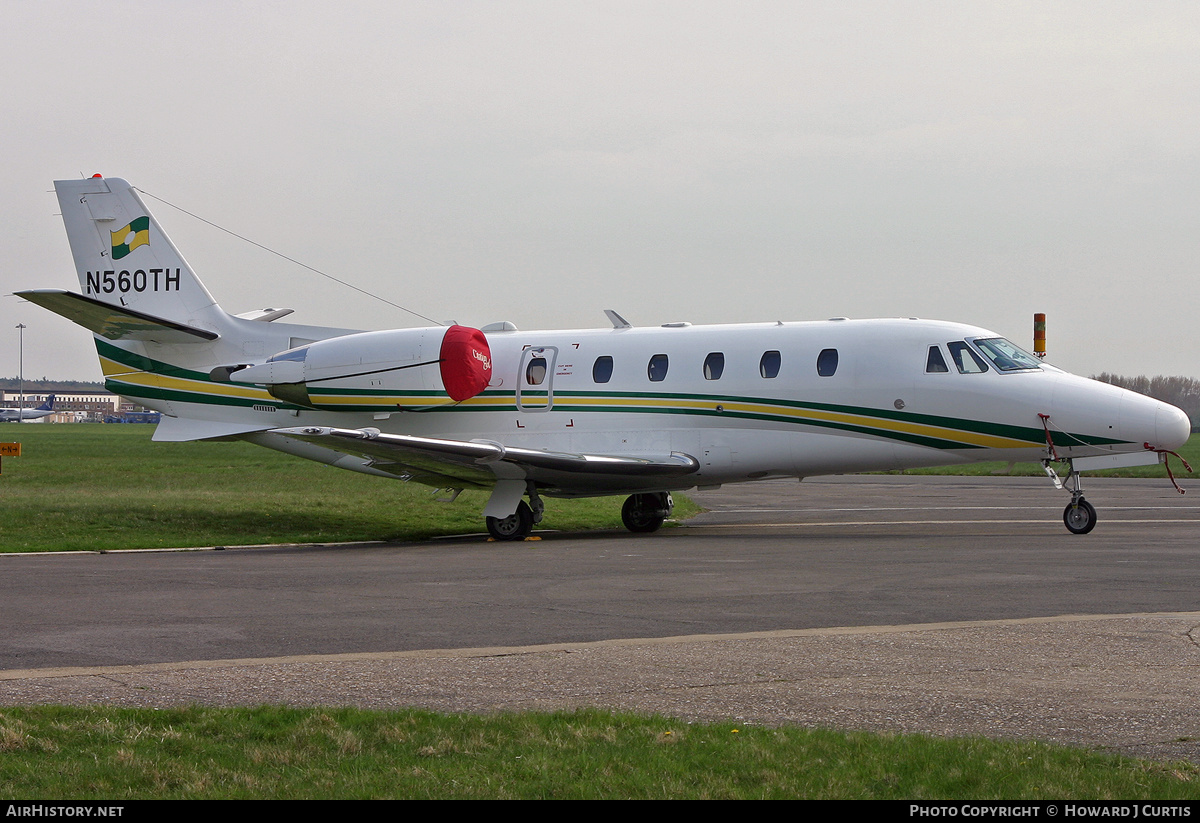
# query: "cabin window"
{"points": [[602, 369], [966, 360], [657, 368], [535, 372], [935, 363], [827, 362], [714, 364], [768, 365], [1006, 355]]}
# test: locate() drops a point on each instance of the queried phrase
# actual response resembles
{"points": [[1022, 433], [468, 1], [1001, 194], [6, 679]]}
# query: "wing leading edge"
{"points": [[480, 463]]}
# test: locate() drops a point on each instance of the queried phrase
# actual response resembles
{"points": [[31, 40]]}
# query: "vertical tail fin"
{"points": [[124, 258], [159, 333]]}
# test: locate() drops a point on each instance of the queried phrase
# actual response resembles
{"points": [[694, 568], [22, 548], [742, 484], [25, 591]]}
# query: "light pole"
{"points": [[21, 369]]}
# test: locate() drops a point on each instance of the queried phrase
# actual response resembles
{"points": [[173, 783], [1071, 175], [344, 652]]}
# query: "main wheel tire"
{"points": [[645, 512], [516, 526], [1079, 518]]}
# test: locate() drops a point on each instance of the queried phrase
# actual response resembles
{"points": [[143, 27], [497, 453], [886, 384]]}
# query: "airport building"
{"points": [[73, 407]]}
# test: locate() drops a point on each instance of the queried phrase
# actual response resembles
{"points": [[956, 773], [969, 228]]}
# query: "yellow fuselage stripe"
{"points": [[159, 381]]}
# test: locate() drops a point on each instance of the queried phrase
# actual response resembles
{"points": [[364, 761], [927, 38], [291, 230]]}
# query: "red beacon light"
{"points": [[1039, 334]]}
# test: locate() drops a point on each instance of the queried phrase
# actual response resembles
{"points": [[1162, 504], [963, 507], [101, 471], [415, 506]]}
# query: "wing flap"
{"points": [[482, 462], [180, 429]]}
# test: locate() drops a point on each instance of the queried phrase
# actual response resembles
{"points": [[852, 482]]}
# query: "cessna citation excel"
{"points": [[628, 411]]}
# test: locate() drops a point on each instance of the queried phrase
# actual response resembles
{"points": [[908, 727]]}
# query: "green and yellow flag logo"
{"points": [[129, 238]]}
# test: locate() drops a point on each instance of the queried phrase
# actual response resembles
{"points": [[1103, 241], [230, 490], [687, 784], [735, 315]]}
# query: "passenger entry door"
{"points": [[535, 380]]}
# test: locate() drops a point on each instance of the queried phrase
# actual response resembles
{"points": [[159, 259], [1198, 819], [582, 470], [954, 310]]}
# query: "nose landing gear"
{"points": [[1079, 516]]}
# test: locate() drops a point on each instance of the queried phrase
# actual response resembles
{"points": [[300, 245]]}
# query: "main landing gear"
{"points": [[1079, 516], [643, 513], [646, 512], [517, 526]]}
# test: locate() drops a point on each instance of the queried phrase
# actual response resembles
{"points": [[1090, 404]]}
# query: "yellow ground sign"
{"points": [[10, 449]]}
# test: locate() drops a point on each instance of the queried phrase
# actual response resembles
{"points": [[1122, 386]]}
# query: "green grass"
{"points": [[271, 752], [98, 487]]}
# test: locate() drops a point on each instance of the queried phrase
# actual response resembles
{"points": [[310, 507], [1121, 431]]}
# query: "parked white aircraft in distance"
{"points": [[10, 415], [628, 411]]}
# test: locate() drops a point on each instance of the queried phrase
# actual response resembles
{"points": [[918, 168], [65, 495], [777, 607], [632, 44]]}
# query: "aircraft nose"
{"points": [[1171, 426]]}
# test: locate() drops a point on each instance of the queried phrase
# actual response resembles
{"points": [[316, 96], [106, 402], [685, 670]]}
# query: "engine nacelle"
{"points": [[378, 370]]}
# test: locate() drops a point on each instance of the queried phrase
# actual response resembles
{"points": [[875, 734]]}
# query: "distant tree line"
{"points": [[1183, 392]]}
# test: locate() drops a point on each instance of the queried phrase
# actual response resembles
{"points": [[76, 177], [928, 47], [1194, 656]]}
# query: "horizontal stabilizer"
{"points": [[113, 322]]}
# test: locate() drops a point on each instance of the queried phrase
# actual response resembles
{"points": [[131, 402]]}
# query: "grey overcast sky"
{"points": [[707, 161]]}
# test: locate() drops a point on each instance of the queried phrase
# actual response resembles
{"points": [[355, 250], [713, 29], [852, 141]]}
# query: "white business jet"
{"points": [[628, 411]]}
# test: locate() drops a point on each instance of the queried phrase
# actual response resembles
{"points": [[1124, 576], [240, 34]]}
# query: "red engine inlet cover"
{"points": [[466, 362]]}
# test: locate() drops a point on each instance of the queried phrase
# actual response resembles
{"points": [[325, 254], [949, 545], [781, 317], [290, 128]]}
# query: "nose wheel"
{"points": [[1079, 516]]}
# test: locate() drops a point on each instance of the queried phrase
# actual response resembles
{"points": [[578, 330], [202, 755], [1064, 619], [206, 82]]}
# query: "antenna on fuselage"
{"points": [[617, 320]]}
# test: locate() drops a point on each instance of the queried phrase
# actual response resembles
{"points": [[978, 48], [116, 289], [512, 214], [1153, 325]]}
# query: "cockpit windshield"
{"points": [[1006, 355]]}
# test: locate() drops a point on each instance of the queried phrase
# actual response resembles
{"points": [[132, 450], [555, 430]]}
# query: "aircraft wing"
{"points": [[480, 463]]}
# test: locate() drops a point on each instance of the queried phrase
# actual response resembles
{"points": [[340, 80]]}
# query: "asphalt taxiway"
{"points": [[946, 605]]}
